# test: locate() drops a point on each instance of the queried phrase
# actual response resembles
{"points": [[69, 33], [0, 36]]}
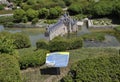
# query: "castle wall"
{"points": [[58, 32]]}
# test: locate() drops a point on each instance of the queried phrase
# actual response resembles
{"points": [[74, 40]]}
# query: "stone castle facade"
{"points": [[64, 25]]}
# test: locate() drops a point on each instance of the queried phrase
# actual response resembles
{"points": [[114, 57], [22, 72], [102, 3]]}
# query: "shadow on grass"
{"points": [[50, 71]]}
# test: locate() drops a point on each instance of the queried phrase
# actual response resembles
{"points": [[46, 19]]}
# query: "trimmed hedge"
{"points": [[75, 43], [32, 58], [42, 44], [9, 69], [6, 43], [60, 44], [21, 40], [102, 69]]}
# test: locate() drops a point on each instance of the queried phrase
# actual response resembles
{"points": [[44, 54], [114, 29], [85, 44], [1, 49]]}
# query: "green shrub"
{"points": [[75, 9], [102, 69], [4, 19], [8, 24], [58, 45], [75, 43], [32, 58], [35, 20], [61, 44], [6, 43], [9, 69], [42, 44], [1, 7], [21, 40]]}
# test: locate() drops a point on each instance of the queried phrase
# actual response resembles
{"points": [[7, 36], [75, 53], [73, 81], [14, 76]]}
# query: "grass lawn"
{"points": [[101, 30], [34, 75], [6, 11]]}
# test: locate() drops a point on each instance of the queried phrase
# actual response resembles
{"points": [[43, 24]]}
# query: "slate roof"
{"points": [[65, 19]]}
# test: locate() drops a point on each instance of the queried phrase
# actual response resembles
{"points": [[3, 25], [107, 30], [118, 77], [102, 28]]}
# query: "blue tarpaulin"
{"points": [[57, 59]]}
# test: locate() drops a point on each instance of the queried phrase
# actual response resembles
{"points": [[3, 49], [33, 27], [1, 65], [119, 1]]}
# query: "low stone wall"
{"points": [[90, 25]]}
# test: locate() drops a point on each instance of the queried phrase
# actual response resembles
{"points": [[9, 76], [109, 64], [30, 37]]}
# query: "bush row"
{"points": [[60, 44], [21, 15], [18, 40], [6, 20], [95, 9], [21, 40], [103, 69], [9, 69], [32, 58]]}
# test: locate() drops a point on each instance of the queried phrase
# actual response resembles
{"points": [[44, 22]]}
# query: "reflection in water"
{"points": [[35, 35], [35, 38], [1, 28]]}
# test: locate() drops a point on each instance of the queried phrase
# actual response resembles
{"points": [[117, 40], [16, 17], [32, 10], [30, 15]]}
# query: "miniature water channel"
{"points": [[35, 34]]}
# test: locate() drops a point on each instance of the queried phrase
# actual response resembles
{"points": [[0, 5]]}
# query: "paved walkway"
{"points": [[6, 15]]}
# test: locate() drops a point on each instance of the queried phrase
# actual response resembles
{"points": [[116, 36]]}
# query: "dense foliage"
{"points": [[9, 69], [10, 41], [102, 69], [21, 40], [18, 15], [32, 58], [94, 9], [75, 9], [49, 8], [1, 7], [42, 44], [60, 44], [5, 20], [6, 43], [21, 15]]}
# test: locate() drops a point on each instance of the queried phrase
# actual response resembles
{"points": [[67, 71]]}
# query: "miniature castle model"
{"points": [[64, 25], [9, 4]]}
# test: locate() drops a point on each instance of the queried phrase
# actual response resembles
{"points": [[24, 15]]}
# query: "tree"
{"points": [[18, 2], [43, 13], [18, 15], [25, 6], [102, 8], [24, 19], [59, 10], [31, 14], [117, 8], [31, 2], [6, 43], [68, 2], [35, 20], [55, 12], [75, 9]]}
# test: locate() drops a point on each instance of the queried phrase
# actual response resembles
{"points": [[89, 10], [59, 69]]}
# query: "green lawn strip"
{"points": [[75, 55], [94, 36]]}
